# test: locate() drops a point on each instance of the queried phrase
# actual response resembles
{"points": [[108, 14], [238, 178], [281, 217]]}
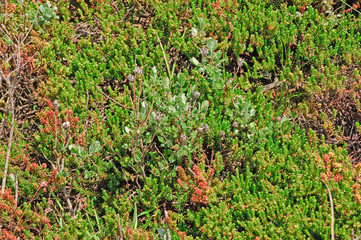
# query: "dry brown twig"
{"points": [[12, 82], [333, 217], [120, 228], [332, 212]]}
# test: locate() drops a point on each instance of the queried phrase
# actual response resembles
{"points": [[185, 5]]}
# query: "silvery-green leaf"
{"points": [[135, 216], [172, 109], [252, 112], [94, 147], [211, 44], [166, 81], [283, 119], [82, 153], [181, 77], [217, 56], [204, 105], [194, 32], [12, 177], [193, 134], [127, 130], [184, 98], [161, 233], [12, 180], [195, 61], [154, 70], [202, 24], [74, 149]]}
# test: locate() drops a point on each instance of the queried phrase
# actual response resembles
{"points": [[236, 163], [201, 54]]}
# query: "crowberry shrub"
{"points": [[200, 185]]}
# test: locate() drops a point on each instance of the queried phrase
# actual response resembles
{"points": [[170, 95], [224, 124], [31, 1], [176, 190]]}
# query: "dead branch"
{"points": [[332, 212], [12, 84]]}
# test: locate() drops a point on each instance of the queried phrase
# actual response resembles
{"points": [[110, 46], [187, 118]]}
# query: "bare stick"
{"points": [[86, 108], [120, 228], [165, 59], [16, 190], [332, 212], [113, 99], [69, 203], [4, 121], [11, 92], [167, 226], [353, 236], [270, 86], [9, 143]]}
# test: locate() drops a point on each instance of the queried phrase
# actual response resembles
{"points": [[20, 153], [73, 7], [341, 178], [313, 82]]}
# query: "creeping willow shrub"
{"points": [[211, 63]]}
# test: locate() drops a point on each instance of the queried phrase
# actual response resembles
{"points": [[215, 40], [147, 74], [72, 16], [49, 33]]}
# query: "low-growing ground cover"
{"points": [[180, 119]]}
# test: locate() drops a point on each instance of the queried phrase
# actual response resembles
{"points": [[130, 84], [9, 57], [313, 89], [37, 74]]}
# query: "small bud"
{"points": [[131, 78], [43, 184], [138, 71], [235, 125], [196, 94], [66, 126], [157, 118], [194, 32], [205, 128], [223, 134], [48, 210], [267, 75], [204, 51], [183, 139], [56, 104], [240, 62]]}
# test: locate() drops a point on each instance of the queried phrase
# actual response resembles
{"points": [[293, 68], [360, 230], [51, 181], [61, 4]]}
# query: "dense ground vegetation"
{"points": [[180, 119]]}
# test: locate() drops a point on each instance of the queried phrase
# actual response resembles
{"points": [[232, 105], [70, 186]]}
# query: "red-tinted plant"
{"points": [[59, 130], [16, 219], [333, 168], [200, 184], [52, 121]]}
